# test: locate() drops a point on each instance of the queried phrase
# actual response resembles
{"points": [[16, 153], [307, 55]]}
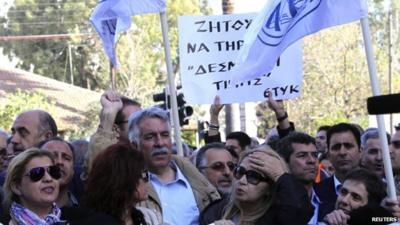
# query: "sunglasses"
{"points": [[145, 176], [220, 166], [37, 173], [252, 176], [338, 146], [396, 144]]}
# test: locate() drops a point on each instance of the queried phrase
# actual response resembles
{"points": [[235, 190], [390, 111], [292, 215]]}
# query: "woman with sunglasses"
{"points": [[264, 193], [31, 188], [117, 181]]}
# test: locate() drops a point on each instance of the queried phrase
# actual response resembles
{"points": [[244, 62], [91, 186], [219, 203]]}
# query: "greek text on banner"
{"points": [[208, 46]]}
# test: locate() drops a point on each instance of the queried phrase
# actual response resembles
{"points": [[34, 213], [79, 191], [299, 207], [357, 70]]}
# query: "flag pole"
{"points": [[171, 84], [380, 120]]}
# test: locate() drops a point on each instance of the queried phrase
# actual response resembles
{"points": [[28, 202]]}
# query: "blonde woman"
{"points": [[264, 193], [31, 188]]}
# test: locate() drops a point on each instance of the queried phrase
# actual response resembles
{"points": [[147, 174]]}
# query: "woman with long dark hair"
{"points": [[117, 181]]}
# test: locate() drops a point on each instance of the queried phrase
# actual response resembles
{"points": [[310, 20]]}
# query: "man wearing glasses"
{"points": [[113, 125], [216, 163]]}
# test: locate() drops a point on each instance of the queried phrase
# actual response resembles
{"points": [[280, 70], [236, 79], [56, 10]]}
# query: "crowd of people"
{"points": [[127, 173]]}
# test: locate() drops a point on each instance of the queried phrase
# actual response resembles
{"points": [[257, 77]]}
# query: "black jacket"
{"points": [[78, 216], [326, 193], [292, 205]]}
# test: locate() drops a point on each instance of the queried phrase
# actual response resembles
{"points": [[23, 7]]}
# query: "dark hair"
{"points": [[364, 214], [80, 149], [243, 139], [113, 180], [47, 123], [119, 118], [273, 141], [323, 156], [56, 138], [285, 148], [397, 128], [200, 157], [373, 184], [340, 128], [323, 128]]}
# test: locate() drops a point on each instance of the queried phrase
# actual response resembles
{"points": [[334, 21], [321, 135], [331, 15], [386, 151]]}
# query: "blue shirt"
{"points": [[178, 204], [338, 185]]}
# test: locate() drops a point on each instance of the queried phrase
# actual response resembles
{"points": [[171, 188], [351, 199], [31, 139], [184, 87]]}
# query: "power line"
{"points": [[43, 37], [44, 10], [48, 22]]}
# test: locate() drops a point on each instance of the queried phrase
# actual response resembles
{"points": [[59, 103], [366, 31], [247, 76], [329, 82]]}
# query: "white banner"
{"points": [[208, 46]]}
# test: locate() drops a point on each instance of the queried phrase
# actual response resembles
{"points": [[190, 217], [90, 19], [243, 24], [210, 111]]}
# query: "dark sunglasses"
{"points": [[252, 176], [37, 173], [338, 146], [145, 176], [396, 144], [220, 166]]}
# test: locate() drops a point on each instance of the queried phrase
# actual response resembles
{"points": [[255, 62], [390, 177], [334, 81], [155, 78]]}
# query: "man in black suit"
{"points": [[343, 142]]}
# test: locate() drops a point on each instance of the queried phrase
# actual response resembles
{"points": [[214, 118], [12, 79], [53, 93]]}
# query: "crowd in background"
{"points": [[128, 174]]}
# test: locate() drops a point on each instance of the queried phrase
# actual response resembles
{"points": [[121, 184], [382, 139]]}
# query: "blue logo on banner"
{"points": [[283, 18]]}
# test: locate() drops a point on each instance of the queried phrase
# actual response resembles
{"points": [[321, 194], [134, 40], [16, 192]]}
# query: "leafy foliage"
{"points": [[336, 81], [49, 57], [21, 101]]}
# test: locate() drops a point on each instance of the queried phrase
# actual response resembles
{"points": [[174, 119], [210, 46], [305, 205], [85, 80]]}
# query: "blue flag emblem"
{"points": [[283, 18]]}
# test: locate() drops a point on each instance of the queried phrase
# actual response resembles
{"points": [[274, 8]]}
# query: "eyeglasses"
{"points": [[37, 173], [145, 176], [346, 145], [252, 176], [396, 144], [220, 166]]}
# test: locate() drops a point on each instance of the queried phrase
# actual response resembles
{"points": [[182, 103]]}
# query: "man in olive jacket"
{"points": [[176, 189]]}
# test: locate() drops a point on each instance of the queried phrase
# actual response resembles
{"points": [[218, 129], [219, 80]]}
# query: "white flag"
{"points": [[111, 17], [281, 23]]}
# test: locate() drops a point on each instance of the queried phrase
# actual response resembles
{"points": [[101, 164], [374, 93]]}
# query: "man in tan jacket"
{"points": [[176, 189]]}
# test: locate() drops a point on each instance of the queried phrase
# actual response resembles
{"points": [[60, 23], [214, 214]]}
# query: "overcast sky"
{"points": [[241, 6]]}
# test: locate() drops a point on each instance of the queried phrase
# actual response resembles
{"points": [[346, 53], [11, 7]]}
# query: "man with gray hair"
{"points": [[30, 128], [176, 189], [371, 151], [217, 163]]}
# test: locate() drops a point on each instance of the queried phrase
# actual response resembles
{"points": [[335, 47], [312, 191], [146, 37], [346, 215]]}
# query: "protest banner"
{"points": [[208, 46]]}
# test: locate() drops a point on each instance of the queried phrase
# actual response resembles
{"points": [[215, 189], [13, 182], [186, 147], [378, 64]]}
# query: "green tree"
{"points": [[336, 81], [50, 57], [21, 101], [142, 70]]}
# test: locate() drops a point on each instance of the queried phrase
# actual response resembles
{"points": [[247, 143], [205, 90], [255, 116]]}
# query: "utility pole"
{"points": [[70, 64]]}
